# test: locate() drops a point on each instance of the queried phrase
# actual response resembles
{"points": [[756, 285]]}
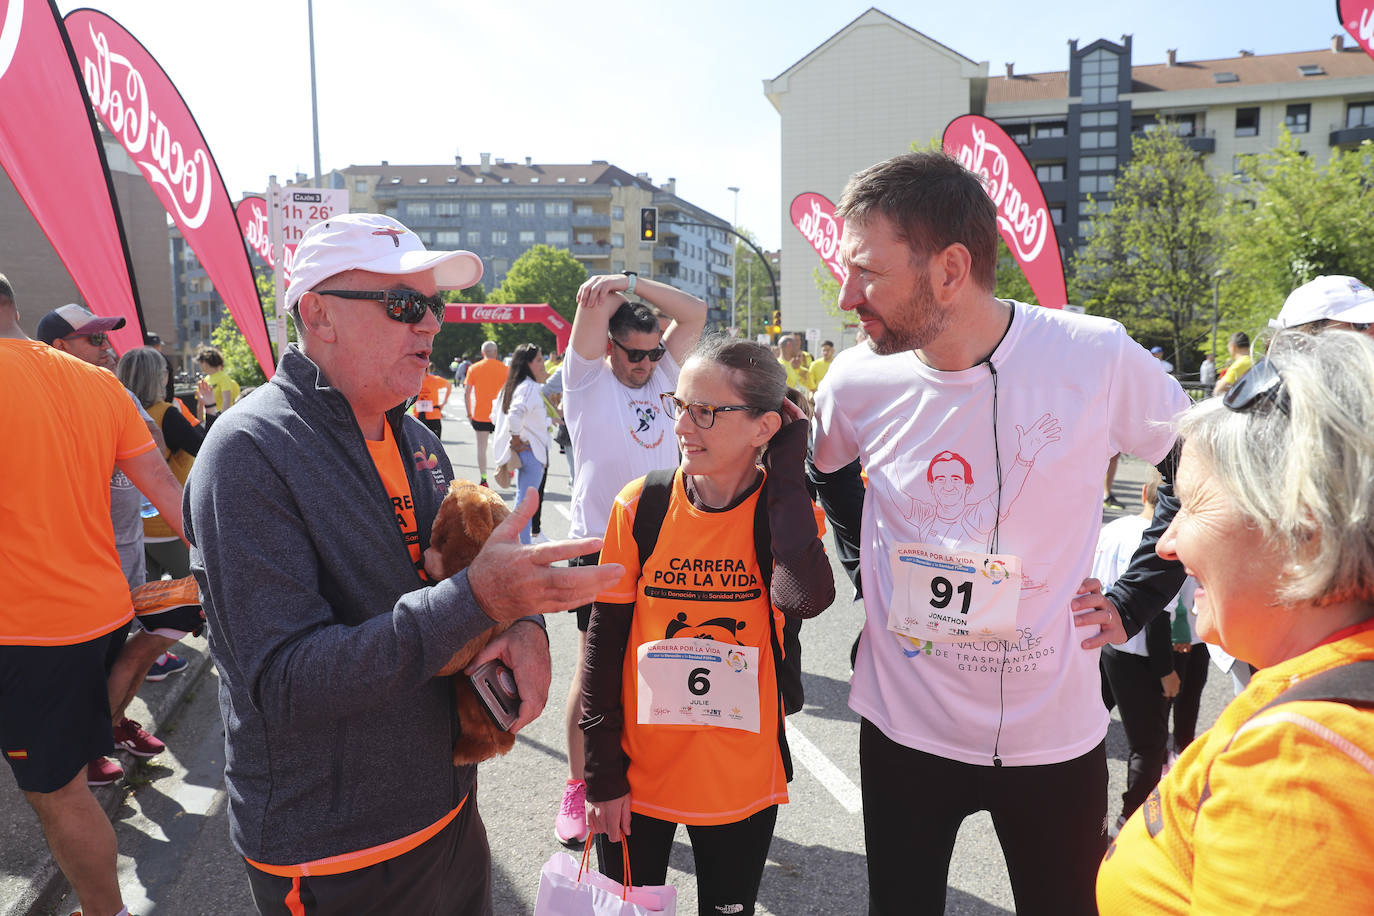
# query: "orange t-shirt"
{"points": [[69, 422], [1285, 826], [702, 582], [484, 381], [432, 390], [393, 473]]}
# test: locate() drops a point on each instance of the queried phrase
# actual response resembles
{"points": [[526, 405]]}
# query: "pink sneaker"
{"points": [[571, 824], [130, 736], [102, 771]]}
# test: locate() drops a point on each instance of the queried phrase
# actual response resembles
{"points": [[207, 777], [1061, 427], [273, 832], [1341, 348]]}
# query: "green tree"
{"points": [[1011, 279], [754, 302], [541, 274], [456, 340], [239, 360], [1152, 250], [1290, 220]]}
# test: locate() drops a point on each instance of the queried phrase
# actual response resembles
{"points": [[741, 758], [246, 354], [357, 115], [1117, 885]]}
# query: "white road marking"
{"points": [[829, 775]]}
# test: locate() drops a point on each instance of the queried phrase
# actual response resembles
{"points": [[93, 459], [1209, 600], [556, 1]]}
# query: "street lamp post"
{"points": [[734, 268], [1216, 312]]}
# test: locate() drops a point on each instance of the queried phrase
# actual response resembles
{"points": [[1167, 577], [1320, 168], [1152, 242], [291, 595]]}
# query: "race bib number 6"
{"points": [[952, 595], [698, 682]]}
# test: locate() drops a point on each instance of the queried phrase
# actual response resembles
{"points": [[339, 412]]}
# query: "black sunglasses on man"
{"points": [[404, 305], [637, 356]]}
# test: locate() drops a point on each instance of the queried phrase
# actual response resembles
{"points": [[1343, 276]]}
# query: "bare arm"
{"points": [[154, 480], [600, 296]]}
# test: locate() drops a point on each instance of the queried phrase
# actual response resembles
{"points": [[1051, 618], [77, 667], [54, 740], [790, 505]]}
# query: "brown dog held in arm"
{"points": [[466, 519]]}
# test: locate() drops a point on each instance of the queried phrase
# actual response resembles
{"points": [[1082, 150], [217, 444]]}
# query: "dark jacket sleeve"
{"points": [[841, 495], [1159, 645], [603, 714], [180, 434], [1150, 582], [802, 584]]}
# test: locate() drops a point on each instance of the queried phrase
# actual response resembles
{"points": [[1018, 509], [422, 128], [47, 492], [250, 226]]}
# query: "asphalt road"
{"points": [[175, 855]]}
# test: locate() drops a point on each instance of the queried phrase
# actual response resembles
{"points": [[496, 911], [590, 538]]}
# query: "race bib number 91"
{"points": [[952, 595], [698, 682]]}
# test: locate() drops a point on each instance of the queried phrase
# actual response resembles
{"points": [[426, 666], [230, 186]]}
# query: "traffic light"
{"points": [[648, 224], [776, 326]]}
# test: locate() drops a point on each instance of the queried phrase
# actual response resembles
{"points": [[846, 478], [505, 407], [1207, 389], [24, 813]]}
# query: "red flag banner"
{"points": [[50, 149], [252, 217], [137, 103], [537, 313], [814, 216], [1357, 16], [1022, 216]]}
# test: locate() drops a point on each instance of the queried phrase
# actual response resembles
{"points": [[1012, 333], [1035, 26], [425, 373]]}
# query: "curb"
{"points": [[47, 885]]}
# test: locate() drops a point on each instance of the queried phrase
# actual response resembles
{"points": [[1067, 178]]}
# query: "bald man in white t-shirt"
{"points": [[978, 690]]}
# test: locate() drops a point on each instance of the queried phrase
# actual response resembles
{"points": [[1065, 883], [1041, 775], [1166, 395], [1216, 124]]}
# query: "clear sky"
{"points": [[669, 88]]}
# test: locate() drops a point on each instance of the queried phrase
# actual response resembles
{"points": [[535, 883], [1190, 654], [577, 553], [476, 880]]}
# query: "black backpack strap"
{"points": [[1351, 683], [651, 510], [786, 666]]}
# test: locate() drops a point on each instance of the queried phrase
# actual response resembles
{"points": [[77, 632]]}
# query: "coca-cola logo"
{"points": [[1024, 225], [814, 216], [492, 313], [184, 176], [9, 33], [252, 217], [1358, 19]]}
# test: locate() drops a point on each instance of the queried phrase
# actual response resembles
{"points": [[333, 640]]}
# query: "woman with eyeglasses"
{"points": [[522, 425], [682, 710], [1269, 811]]}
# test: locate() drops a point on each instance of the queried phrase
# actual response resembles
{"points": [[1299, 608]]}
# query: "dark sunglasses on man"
{"points": [[404, 305], [98, 339], [637, 356]]}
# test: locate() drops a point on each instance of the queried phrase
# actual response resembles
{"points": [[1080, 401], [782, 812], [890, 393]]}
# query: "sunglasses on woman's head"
{"points": [[637, 356], [1261, 386], [404, 305]]}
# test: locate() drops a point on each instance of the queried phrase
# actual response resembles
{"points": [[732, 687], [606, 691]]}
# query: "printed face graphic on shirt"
{"points": [[942, 506]]}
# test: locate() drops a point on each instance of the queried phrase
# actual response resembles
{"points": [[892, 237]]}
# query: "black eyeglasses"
{"points": [[1261, 386], [703, 415], [404, 305], [637, 356], [98, 339]]}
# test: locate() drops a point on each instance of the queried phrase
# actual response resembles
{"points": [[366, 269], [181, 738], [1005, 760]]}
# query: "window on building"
{"points": [[556, 237], [1097, 139], [498, 237], [1018, 132], [498, 208], [1096, 184], [1247, 122], [448, 237], [500, 265], [392, 212], [360, 185], [1097, 164], [524, 208], [584, 210], [1057, 215], [1049, 171], [1100, 77], [1298, 118], [617, 240], [617, 213], [1043, 129], [526, 236], [474, 239], [617, 267], [417, 208], [557, 208], [1099, 118], [585, 238], [474, 209], [1359, 114], [447, 208]]}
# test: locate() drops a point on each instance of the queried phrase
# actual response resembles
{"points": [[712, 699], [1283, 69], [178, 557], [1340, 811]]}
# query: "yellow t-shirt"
{"points": [[1286, 826], [226, 389], [702, 582], [819, 368], [1239, 366], [68, 422]]}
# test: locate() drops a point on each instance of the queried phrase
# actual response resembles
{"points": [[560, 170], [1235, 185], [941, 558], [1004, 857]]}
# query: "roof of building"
{"points": [[1249, 70], [499, 172], [872, 16]]}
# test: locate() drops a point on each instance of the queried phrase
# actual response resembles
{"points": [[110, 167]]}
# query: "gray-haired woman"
{"points": [[1270, 809]]}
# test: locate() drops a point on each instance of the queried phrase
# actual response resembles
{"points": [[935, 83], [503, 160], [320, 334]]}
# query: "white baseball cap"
{"points": [[1332, 298], [377, 243]]}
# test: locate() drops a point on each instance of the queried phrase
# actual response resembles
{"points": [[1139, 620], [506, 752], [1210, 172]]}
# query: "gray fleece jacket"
{"points": [[338, 736]]}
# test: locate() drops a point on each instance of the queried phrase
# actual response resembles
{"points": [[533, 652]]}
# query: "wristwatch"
{"points": [[633, 278]]}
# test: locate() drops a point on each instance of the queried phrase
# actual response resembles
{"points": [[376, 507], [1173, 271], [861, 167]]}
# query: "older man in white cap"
{"points": [[309, 515], [1327, 302]]}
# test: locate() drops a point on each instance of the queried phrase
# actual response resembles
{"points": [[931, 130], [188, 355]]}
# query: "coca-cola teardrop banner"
{"points": [[252, 216], [814, 216], [540, 313], [1022, 216], [1357, 16], [137, 103], [51, 151]]}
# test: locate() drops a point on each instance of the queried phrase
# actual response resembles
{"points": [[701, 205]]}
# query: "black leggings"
{"points": [[1049, 820], [729, 858]]}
